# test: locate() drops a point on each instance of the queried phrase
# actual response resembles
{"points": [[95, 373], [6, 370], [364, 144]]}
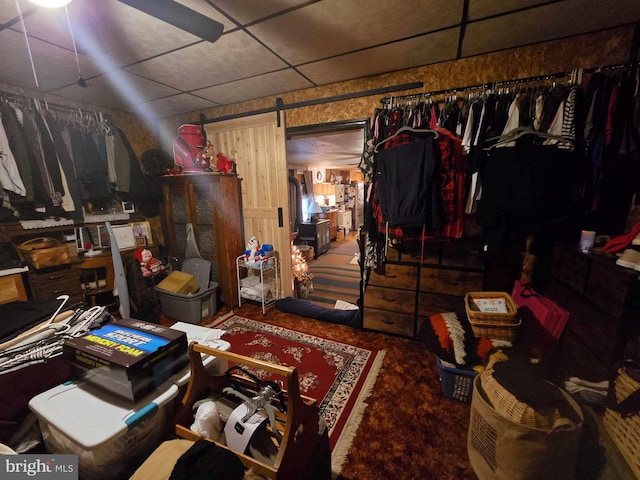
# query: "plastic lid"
{"points": [[92, 417]]}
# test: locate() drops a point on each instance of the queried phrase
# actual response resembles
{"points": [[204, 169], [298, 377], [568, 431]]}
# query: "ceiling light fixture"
{"points": [[51, 3]]}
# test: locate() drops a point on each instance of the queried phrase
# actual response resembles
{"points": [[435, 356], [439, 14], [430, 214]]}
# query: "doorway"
{"points": [[324, 160]]}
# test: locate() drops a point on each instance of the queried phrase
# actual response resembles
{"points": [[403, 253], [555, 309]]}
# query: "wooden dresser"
{"points": [[604, 302], [49, 283], [399, 299]]}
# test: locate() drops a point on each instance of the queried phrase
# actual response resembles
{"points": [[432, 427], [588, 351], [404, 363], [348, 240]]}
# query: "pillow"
{"points": [[306, 308]]}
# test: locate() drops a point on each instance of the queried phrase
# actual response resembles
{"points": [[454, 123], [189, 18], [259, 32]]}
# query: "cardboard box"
{"points": [[179, 282], [128, 358]]}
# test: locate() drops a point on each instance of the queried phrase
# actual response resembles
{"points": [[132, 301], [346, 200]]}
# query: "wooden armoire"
{"points": [[212, 203]]}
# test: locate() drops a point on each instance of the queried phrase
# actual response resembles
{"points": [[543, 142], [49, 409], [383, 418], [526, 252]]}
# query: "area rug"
{"points": [[339, 376], [347, 247], [334, 278]]}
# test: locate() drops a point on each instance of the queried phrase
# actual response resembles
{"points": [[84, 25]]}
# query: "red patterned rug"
{"points": [[339, 376]]}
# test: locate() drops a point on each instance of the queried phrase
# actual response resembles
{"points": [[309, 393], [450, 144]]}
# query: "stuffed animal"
{"points": [[255, 251], [148, 264], [252, 249], [223, 163]]}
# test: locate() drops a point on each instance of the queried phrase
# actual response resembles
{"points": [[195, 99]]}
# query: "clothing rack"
{"points": [[505, 83], [83, 117]]}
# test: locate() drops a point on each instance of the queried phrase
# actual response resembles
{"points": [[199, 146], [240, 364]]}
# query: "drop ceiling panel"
{"points": [[234, 56], [55, 67], [487, 8], [9, 11], [334, 150], [260, 86], [246, 11], [571, 17], [173, 105], [116, 90], [435, 47], [333, 27]]}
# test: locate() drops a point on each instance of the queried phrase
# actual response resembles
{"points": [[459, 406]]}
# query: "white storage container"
{"points": [[111, 436]]}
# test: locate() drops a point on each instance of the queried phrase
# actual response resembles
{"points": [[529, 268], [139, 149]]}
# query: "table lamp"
{"points": [[314, 210]]}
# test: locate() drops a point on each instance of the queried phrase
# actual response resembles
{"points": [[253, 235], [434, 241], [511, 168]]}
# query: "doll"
{"points": [[148, 264]]}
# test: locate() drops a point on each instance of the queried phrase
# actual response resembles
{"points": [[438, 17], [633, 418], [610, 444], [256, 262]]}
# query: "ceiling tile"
{"points": [[234, 56], [260, 86], [55, 67], [571, 17], [245, 11], [116, 90], [9, 11], [487, 8], [333, 27], [424, 50], [174, 105], [107, 30]]}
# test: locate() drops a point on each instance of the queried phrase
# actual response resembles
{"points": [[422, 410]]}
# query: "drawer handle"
{"points": [[388, 322], [387, 299], [56, 277], [390, 276]]}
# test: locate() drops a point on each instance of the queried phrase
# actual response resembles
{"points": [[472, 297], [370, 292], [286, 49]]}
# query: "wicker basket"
{"points": [[507, 405], [625, 432], [307, 251], [494, 325], [44, 252]]}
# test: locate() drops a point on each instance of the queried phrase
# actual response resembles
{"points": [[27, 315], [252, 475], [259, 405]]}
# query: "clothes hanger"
{"points": [[521, 132], [405, 130]]}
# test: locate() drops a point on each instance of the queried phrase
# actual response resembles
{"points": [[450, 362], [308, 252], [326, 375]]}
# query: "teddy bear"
{"points": [[148, 264]]}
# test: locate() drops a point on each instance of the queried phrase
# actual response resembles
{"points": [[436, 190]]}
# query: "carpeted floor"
{"points": [[410, 430]]}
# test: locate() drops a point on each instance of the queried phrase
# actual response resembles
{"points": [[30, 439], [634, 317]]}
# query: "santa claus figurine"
{"points": [[148, 264]]}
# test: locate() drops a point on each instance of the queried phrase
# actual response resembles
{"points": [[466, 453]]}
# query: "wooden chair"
{"points": [[97, 277]]}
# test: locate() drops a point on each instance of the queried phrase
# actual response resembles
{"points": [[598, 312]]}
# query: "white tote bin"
{"points": [[111, 436], [189, 308]]}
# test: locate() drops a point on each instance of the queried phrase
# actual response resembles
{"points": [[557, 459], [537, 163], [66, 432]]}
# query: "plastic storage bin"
{"points": [[456, 383], [189, 308], [111, 436]]}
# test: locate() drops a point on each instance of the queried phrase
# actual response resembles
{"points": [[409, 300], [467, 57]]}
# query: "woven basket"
{"points": [[44, 252], [507, 405], [625, 432], [496, 332], [307, 251], [494, 325], [490, 318]]}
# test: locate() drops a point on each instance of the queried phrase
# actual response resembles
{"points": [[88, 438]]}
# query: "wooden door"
{"points": [[257, 144]]}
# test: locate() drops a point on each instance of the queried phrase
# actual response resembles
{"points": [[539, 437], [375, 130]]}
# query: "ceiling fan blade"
{"points": [[180, 16]]}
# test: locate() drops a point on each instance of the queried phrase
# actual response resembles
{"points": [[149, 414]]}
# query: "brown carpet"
{"points": [[410, 430]]}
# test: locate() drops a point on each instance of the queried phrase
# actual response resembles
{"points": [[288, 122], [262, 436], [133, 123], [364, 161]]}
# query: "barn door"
{"points": [[257, 144]]}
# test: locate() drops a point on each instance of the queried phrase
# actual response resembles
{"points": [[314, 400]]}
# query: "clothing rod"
{"points": [[58, 108], [502, 83], [318, 101]]}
